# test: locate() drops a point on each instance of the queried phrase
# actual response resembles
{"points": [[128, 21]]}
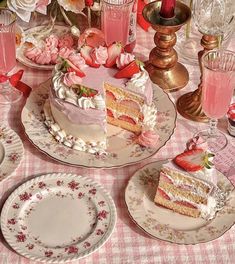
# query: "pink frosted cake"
{"points": [[94, 87]]}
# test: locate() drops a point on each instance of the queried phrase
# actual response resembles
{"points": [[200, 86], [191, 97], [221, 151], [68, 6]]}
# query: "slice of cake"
{"points": [[84, 96], [185, 192]]}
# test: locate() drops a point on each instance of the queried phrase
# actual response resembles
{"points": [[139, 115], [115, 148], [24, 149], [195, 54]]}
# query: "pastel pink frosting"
{"points": [[32, 53], [66, 41], [148, 138], [65, 52], [52, 42], [71, 78], [99, 55], [43, 58], [77, 60], [124, 59]]}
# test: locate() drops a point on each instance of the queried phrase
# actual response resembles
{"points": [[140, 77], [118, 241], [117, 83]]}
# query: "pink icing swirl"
{"points": [[124, 59], [148, 138], [99, 55], [66, 41], [77, 60], [71, 78], [43, 58], [52, 42], [197, 142], [32, 53], [65, 52], [54, 55]]}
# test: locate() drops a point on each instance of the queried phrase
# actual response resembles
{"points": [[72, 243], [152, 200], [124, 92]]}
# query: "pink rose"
{"points": [[148, 138], [124, 59], [99, 55], [71, 78], [66, 41], [77, 60], [65, 52]]}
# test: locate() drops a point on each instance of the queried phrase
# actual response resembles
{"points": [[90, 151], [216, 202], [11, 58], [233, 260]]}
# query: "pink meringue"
{"points": [[66, 41], [43, 58], [77, 60], [99, 55], [52, 42], [32, 53], [65, 52], [54, 55], [148, 139], [124, 59], [71, 78]]}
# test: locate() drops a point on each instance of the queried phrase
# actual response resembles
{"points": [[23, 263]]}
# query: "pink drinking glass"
{"points": [[8, 94], [116, 20], [218, 83]]}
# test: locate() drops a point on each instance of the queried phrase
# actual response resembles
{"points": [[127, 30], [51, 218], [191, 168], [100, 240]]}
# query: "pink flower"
{"points": [[11, 221], [77, 60], [99, 232], [25, 196], [124, 59], [59, 183], [71, 250], [66, 41], [41, 185], [92, 37], [99, 55], [21, 237], [52, 42], [71, 78], [65, 52], [48, 253], [30, 246], [102, 215], [148, 139], [86, 244], [73, 185], [80, 195], [92, 191]]}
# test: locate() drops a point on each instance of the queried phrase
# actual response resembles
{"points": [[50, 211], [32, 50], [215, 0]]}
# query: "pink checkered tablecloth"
{"points": [[128, 244]]}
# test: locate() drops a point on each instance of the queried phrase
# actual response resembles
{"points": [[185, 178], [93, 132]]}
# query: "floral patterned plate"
{"points": [[58, 218], [167, 225], [122, 151], [11, 151], [58, 30]]}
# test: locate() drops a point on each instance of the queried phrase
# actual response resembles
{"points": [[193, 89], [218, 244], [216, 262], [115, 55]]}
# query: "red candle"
{"points": [[167, 8]]}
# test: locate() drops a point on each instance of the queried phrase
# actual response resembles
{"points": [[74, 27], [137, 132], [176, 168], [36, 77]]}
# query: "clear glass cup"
{"points": [[218, 83], [8, 94], [115, 20]]}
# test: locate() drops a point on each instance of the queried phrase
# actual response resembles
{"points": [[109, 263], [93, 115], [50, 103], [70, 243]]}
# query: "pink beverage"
{"points": [[216, 94], [116, 20], [7, 52]]}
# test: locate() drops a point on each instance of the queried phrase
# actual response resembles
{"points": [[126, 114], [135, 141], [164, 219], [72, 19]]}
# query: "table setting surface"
{"points": [[128, 243]]}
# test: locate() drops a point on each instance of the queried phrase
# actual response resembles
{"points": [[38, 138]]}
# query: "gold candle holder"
{"points": [[163, 66], [189, 104]]}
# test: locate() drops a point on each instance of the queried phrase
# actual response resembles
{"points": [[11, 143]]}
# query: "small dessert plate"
{"points": [[11, 151], [164, 224], [122, 150], [57, 30], [57, 218]]}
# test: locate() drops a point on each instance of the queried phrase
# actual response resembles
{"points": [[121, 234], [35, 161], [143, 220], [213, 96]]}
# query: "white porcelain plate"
{"points": [[167, 225], [58, 218], [122, 151], [11, 151], [57, 30]]}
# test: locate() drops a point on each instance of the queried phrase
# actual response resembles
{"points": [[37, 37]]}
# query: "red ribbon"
{"points": [[140, 19], [15, 81]]}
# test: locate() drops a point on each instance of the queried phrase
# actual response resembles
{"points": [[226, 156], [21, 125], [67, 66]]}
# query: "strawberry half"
{"points": [[114, 50], [127, 119], [191, 160], [87, 92], [185, 203], [73, 68], [85, 52], [128, 71], [163, 194]]}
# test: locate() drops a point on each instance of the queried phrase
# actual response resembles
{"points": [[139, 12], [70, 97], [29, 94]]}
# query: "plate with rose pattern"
{"points": [[164, 224], [58, 218], [122, 149], [39, 30], [11, 151]]}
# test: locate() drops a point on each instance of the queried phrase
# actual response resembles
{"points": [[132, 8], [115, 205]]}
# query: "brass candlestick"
{"points": [[189, 104], [163, 66]]}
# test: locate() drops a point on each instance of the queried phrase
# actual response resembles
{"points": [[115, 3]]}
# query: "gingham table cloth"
{"points": [[128, 243]]}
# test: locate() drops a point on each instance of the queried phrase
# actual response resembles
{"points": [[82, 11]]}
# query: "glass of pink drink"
{"points": [[116, 20], [218, 83], [8, 94]]}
